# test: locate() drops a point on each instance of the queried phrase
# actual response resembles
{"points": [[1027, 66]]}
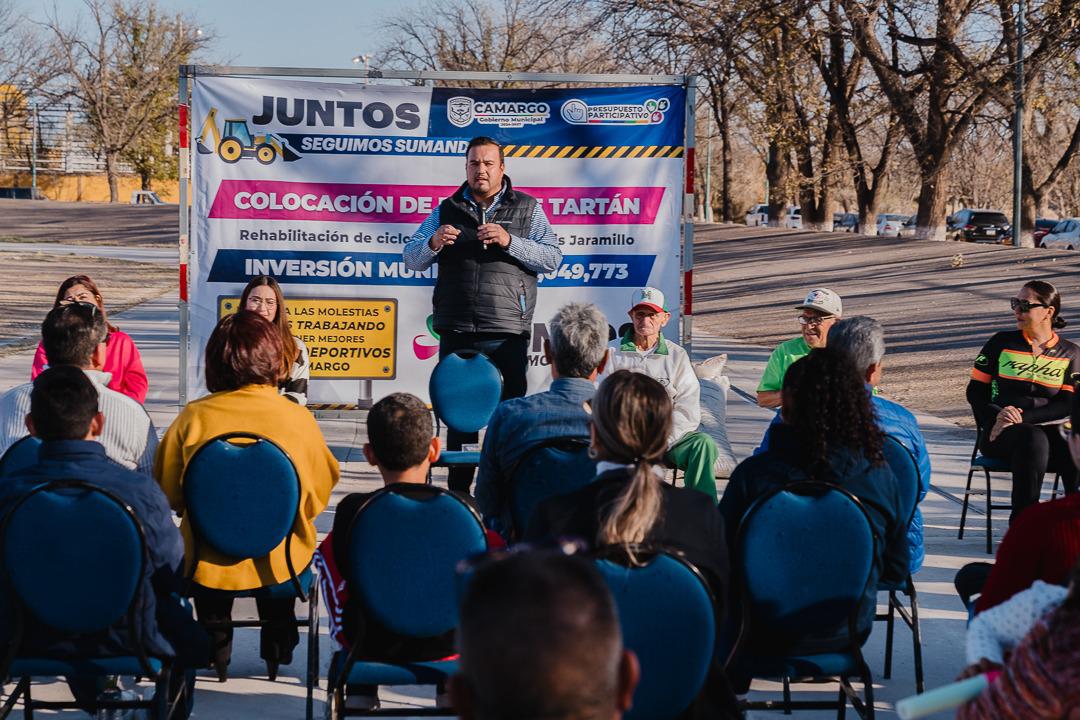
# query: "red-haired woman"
{"points": [[122, 359], [263, 296]]}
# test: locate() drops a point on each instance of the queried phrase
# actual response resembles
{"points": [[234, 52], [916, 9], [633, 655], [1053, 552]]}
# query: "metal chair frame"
{"points": [[312, 597], [847, 691], [163, 706], [988, 465], [566, 442], [336, 694]]}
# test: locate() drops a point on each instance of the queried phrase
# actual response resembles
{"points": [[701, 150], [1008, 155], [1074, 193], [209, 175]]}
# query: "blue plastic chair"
{"points": [[666, 612], [553, 467], [465, 388], [73, 557], [242, 496], [906, 471], [804, 557], [21, 454], [989, 465], [412, 591]]}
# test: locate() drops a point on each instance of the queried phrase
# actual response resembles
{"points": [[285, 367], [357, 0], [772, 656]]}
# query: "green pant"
{"points": [[695, 454]]}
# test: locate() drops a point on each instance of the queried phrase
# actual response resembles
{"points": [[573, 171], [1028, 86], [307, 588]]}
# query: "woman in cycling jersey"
{"points": [[1021, 392]]}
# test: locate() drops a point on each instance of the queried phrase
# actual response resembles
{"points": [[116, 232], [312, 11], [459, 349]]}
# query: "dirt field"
{"points": [[936, 316], [89, 223], [28, 283]]}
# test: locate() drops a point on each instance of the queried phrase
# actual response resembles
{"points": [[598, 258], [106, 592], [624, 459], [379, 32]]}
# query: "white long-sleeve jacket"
{"points": [[668, 364]]}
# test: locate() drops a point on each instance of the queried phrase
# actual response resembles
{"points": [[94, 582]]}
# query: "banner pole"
{"points": [[688, 218], [184, 249]]}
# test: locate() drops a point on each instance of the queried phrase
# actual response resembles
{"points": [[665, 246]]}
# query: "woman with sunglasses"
{"points": [[1021, 392], [122, 359], [263, 296]]}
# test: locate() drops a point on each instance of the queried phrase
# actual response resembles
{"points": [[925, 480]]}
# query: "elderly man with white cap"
{"points": [[644, 349], [818, 313]]}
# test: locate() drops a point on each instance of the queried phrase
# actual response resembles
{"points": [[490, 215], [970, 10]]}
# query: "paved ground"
{"points": [[89, 223]]}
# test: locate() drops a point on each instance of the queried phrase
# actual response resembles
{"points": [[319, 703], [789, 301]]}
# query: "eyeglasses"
{"points": [[258, 301], [1024, 305], [815, 320], [83, 297]]}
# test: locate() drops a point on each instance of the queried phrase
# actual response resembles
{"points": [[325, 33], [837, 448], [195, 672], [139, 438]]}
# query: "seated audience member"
{"points": [[576, 351], [64, 416], [818, 312], [401, 445], [74, 335], [862, 339], [122, 361], [645, 350], [1021, 391], [1042, 543], [243, 367], [1033, 639], [630, 504], [539, 638], [828, 434]]}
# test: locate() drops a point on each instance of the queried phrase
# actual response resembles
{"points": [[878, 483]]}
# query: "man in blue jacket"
{"points": [[862, 338], [64, 416]]}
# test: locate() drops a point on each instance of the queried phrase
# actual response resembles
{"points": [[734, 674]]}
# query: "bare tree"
{"points": [[26, 65], [123, 70]]}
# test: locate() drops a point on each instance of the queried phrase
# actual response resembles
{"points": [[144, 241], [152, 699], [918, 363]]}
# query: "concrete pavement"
{"points": [[154, 327]]}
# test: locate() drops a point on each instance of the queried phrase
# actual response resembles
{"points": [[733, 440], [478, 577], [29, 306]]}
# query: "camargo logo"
{"points": [[463, 111]]}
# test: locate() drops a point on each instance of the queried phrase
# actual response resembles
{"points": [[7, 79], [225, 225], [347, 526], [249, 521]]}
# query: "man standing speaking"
{"points": [[491, 242]]}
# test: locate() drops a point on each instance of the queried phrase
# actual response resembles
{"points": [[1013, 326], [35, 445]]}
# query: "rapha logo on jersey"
{"points": [[650, 112], [463, 111]]}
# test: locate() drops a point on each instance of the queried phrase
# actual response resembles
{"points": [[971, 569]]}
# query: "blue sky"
{"points": [[279, 33]]}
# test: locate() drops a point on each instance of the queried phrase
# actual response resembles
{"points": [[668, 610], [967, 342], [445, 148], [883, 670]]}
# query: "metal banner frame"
{"points": [[188, 73]]}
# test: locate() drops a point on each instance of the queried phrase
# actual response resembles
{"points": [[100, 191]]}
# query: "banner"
{"points": [[321, 184]]}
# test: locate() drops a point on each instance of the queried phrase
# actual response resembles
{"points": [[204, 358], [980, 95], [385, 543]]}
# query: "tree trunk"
{"points": [[110, 173], [933, 193], [776, 171], [145, 180], [724, 126], [1029, 208]]}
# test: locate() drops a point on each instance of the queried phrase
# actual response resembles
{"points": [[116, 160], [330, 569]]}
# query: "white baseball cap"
{"points": [[823, 300], [649, 297]]}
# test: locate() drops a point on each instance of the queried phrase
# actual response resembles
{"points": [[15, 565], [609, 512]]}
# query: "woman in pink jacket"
{"points": [[122, 359]]}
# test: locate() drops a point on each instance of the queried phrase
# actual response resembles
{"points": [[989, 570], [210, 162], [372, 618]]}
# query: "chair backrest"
{"points": [[465, 387], [667, 619], [21, 454], [73, 554], [242, 495], [404, 544], [804, 556], [555, 466], [906, 471]]}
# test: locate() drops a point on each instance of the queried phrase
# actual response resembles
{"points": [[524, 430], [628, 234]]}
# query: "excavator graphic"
{"points": [[237, 142]]}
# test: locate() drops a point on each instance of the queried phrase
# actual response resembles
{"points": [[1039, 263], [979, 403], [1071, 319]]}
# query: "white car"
{"points": [[892, 225], [793, 218], [1064, 236], [757, 215]]}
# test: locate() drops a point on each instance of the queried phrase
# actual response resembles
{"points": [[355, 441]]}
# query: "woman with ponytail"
{"points": [[1021, 391], [629, 503]]}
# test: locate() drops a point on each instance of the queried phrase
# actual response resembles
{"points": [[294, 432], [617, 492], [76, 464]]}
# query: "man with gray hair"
{"points": [[576, 351], [862, 339]]}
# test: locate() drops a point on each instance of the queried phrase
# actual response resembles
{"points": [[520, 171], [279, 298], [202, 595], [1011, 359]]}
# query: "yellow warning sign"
{"points": [[346, 339]]}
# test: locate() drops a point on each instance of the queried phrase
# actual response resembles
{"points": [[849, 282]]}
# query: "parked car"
{"points": [[1043, 227], [757, 215], [793, 218], [978, 226], [893, 225], [845, 222], [1064, 236]]}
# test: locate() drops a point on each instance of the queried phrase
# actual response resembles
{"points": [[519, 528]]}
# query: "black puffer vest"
{"points": [[478, 290]]}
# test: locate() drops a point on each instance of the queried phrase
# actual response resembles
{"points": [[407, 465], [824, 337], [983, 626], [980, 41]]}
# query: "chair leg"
{"points": [[312, 648], [916, 639], [28, 702], [868, 693], [890, 624], [1057, 481], [964, 506], [787, 695], [21, 688], [841, 703], [989, 516]]}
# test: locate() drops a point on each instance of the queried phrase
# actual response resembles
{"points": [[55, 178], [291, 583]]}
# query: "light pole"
{"points": [[365, 58], [33, 155], [1018, 125]]}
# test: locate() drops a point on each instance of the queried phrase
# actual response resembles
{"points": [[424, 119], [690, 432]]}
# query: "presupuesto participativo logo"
{"points": [[463, 111], [650, 112]]}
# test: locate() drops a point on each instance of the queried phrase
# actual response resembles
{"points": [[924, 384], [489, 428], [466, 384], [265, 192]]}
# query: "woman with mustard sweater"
{"points": [[243, 367]]}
